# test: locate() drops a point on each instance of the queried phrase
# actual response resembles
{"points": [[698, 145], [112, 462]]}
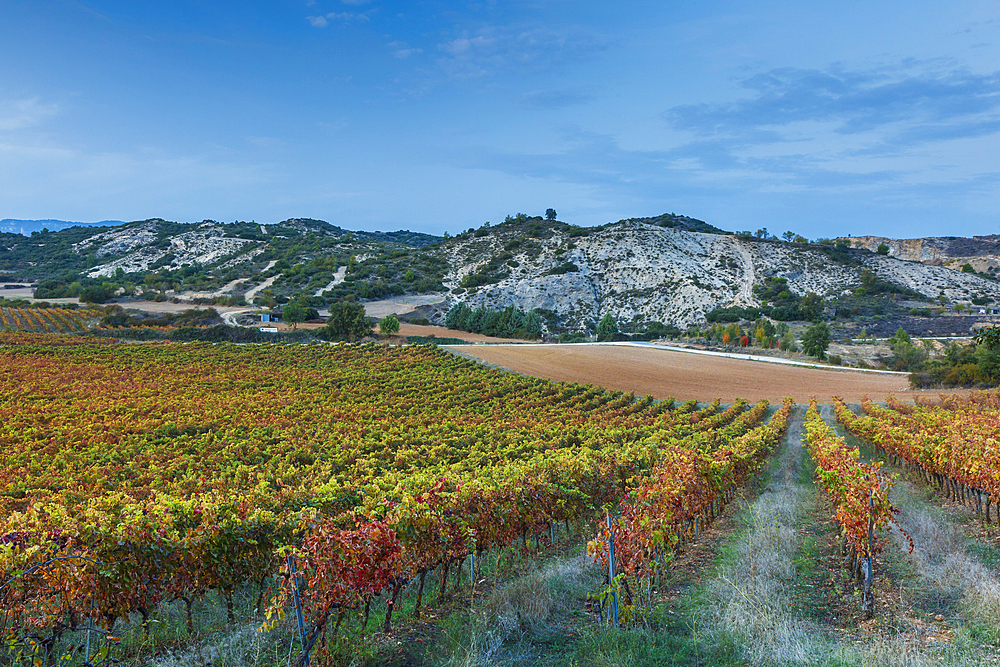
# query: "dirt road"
{"points": [[662, 373]]}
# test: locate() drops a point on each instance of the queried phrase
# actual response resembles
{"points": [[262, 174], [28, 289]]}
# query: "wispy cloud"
{"points": [[494, 49], [20, 114], [903, 105], [403, 51], [556, 98], [323, 20]]}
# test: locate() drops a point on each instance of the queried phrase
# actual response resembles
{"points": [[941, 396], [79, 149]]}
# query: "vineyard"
{"points": [[322, 478], [955, 446], [859, 493], [46, 320]]}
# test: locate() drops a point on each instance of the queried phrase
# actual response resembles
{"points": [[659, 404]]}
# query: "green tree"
{"points": [[388, 325], [967, 268], [550, 214], [607, 327], [294, 313], [989, 337], [900, 337], [988, 362], [533, 324], [458, 317], [812, 306], [906, 355], [787, 343], [347, 320], [816, 340], [882, 249]]}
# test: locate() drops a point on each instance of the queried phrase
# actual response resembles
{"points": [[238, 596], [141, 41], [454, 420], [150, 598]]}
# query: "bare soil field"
{"points": [[686, 376]]}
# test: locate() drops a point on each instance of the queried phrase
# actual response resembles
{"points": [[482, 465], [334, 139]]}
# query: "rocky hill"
{"points": [[982, 253], [671, 269], [640, 271]]}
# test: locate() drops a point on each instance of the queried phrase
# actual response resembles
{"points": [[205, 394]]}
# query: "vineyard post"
{"points": [[611, 570], [868, 565], [90, 626], [298, 607]]}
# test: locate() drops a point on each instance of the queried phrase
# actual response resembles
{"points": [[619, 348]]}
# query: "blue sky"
{"points": [[822, 118]]}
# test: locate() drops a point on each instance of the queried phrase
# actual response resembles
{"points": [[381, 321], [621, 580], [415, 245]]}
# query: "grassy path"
{"points": [[753, 598]]}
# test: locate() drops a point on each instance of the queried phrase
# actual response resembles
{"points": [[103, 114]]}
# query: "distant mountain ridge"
{"points": [[26, 227]]}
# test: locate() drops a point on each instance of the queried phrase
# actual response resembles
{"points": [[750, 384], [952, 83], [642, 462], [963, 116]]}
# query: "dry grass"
{"points": [[942, 560], [753, 593], [242, 647], [499, 631]]}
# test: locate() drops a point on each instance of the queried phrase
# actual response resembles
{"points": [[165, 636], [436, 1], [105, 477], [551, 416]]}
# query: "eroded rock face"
{"points": [[982, 253], [929, 250], [637, 270], [206, 244], [120, 240]]}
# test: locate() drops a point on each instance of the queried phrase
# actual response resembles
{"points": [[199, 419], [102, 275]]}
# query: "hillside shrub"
{"points": [[567, 267]]}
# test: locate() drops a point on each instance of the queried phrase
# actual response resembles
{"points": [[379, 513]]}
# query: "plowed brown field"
{"points": [[662, 373]]}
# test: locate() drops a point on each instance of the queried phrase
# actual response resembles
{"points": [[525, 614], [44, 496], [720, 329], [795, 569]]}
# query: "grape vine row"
{"points": [[155, 474]]}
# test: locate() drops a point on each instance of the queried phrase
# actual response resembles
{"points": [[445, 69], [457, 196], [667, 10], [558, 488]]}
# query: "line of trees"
{"points": [[510, 322]]}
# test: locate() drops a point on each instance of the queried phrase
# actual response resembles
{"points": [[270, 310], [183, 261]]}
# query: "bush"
{"points": [[786, 314], [434, 340], [963, 374], [733, 314], [97, 293], [388, 325], [568, 267]]}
